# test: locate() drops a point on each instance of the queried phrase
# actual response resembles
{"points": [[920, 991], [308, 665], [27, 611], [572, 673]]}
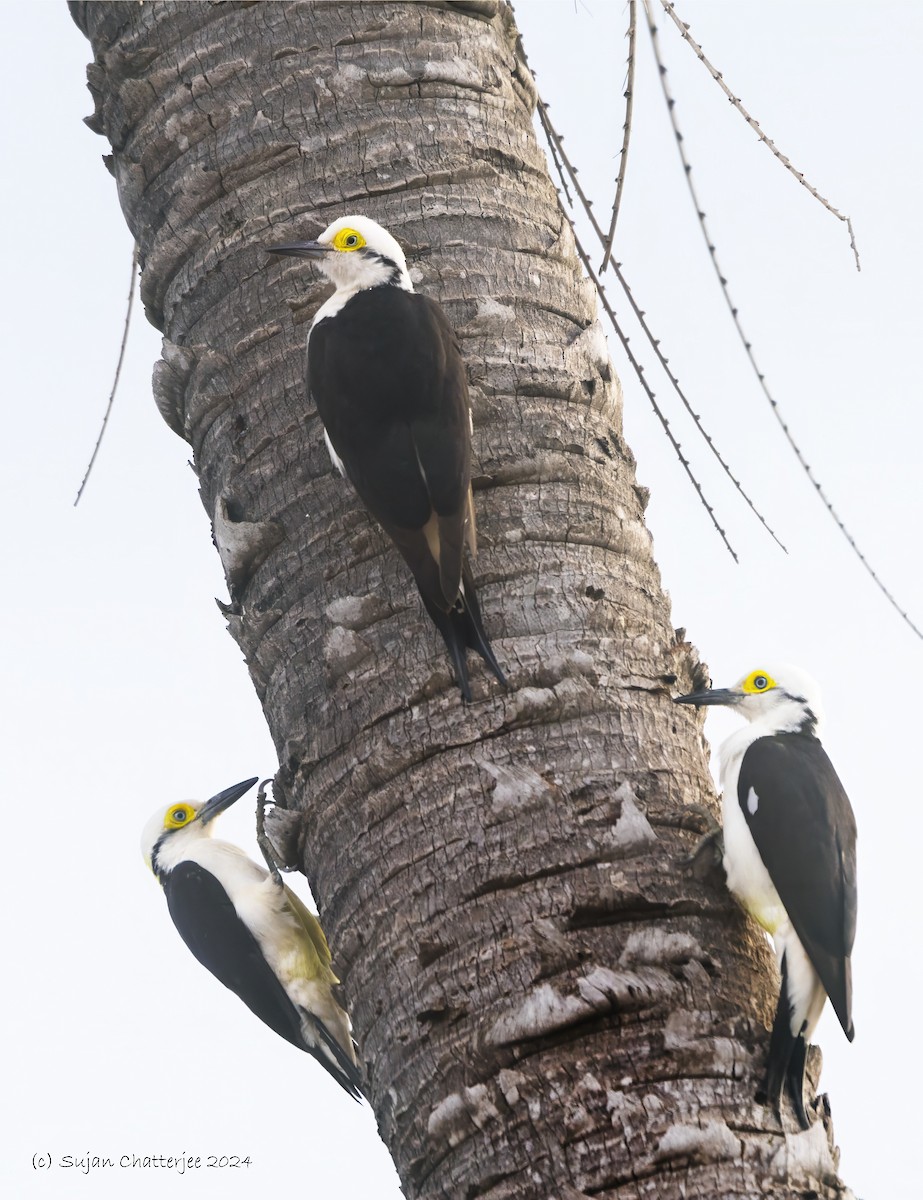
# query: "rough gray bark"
{"points": [[545, 1005]]}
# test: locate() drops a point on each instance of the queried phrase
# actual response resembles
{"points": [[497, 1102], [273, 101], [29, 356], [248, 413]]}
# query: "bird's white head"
{"points": [[780, 696], [356, 253], [171, 831]]}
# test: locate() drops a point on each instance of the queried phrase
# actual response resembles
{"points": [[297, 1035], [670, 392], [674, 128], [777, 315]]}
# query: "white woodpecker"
{"points": [[386, 374], [250, 931], [789, 857]]}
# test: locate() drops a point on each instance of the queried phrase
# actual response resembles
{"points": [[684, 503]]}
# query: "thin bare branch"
{"points": [[687, 170], [626, 131], [639, 371], [546, 124], [718, 77], [118, 372], [664, 362], [558, 155]]}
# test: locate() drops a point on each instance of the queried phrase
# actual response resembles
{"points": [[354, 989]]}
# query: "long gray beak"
{"points": [[712, 696], [301, 249], [217, 804]]}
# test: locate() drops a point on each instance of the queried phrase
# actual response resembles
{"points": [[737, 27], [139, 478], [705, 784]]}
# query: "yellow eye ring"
{"points": [[757, 682], [178, 816], [349, 239]]}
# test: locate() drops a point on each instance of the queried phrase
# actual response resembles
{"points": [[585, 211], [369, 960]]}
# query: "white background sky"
{"points": [[124, 691]]}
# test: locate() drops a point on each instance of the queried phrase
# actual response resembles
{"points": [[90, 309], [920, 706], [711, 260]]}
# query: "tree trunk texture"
{"points": [[546, 1004]]}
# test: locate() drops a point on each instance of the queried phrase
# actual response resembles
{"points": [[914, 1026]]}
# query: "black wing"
{"points": [[805, 832], [209, 925], [389, 383]]}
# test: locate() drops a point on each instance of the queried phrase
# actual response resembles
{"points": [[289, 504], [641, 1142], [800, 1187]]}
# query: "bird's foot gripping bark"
{"points": [[709, 850], [261, 837]]}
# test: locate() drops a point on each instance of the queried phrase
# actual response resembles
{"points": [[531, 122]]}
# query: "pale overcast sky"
{"points": [[125, 691]]}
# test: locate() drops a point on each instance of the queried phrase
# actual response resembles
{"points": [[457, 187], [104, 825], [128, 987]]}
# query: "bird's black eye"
{"points": [[352, 240], [179, 815], [760, 683]]}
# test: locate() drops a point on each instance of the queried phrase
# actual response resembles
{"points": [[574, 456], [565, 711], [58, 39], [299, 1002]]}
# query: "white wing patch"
{"points": [[334, 457], [753, 801]]}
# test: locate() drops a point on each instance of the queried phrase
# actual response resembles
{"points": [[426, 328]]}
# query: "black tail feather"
{"points": [[787, 1056], [781, 1044], [475, 637], [794, 1079], [344, 1071], [453, 635], [462, 629]]}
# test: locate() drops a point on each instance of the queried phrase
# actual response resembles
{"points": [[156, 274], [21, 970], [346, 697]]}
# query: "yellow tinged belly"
{"points": [[770, 916]]}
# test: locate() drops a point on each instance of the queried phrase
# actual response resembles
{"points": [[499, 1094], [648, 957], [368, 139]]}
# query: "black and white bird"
{"points": [[386, 374], [790, 857], [250, 931]]}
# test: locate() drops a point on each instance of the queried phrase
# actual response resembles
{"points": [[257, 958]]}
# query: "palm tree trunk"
{"points": [[545, 1004]]}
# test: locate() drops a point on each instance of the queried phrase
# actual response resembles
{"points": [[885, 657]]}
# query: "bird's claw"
{"points": [[708, 854], [262, 838]]}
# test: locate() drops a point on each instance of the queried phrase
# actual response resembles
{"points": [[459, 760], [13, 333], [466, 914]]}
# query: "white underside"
{"points": [[334, 457], [263, 907], [334, 304], [749, 881]]}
